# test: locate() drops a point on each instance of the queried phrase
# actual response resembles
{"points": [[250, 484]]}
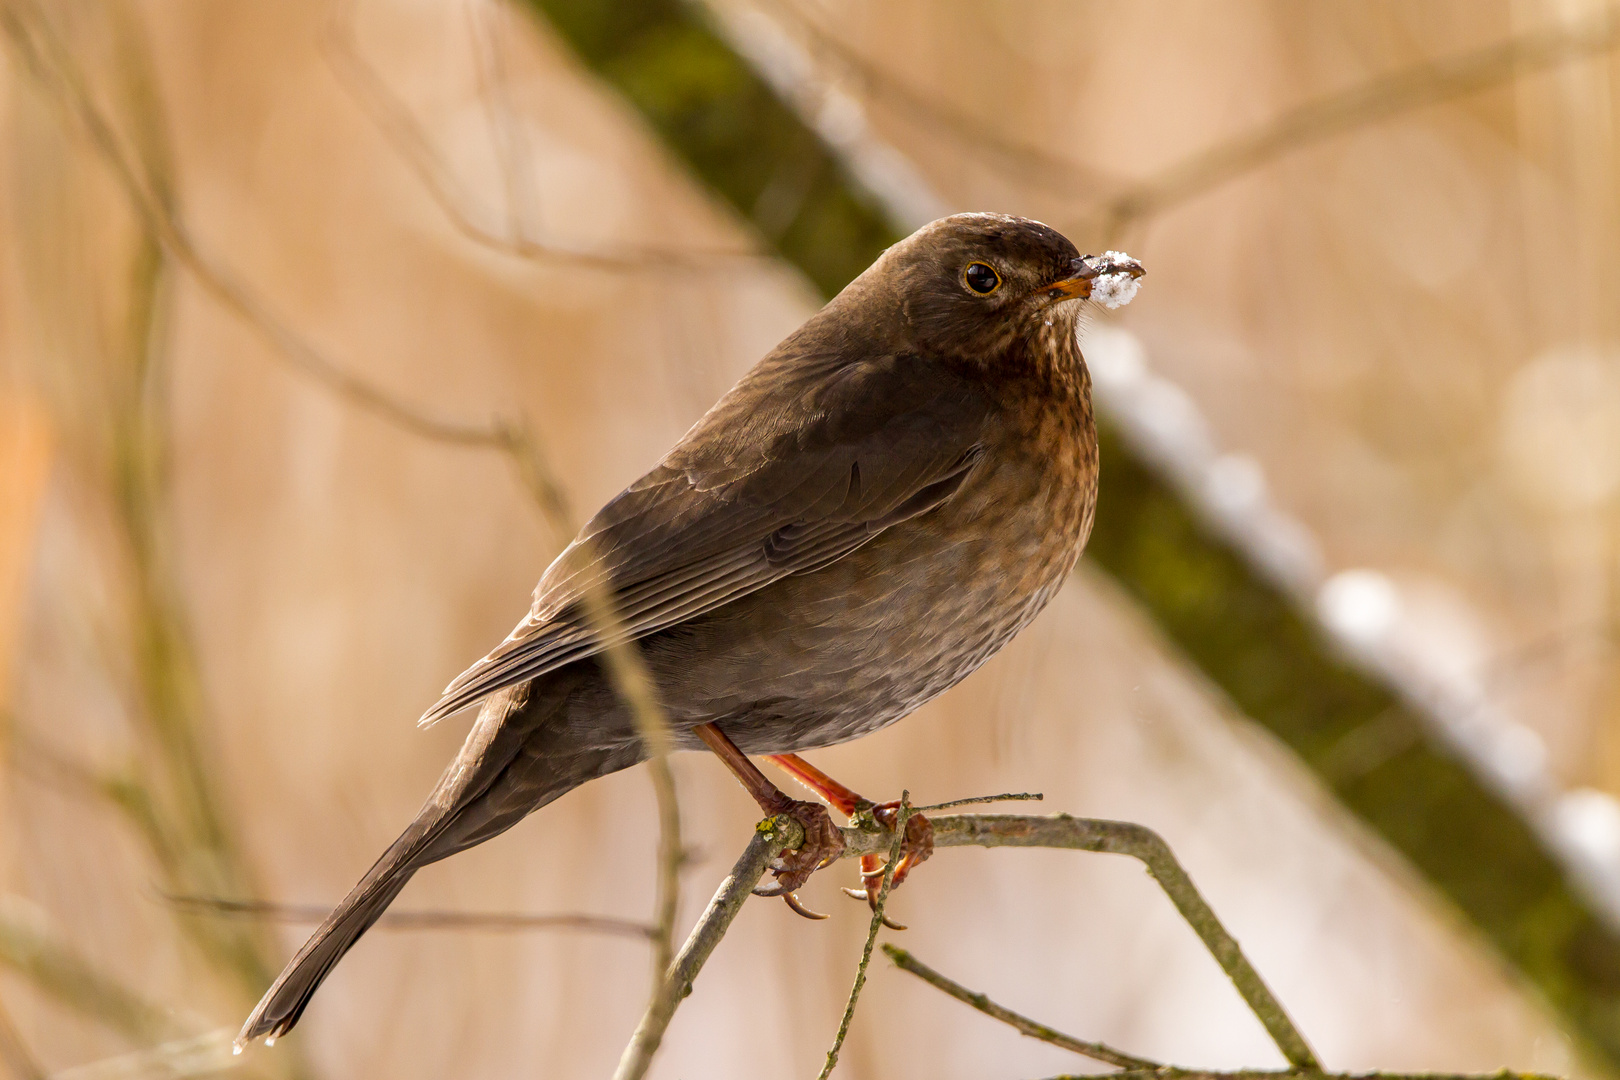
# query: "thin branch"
{"points": [[973, 830], [399, 127], [979, 800], [1427, 83], [497, 922], [900, 819], [1142, 843], [48, 61], [1029, 162], [773, 836], [1025, 1026]]}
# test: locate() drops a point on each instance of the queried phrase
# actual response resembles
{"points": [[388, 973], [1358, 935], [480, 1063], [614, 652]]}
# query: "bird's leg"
{"points": [[823, 843], [917, 846]]}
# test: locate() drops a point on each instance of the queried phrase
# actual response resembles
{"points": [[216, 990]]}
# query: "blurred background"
{"points": [[319, 320]]}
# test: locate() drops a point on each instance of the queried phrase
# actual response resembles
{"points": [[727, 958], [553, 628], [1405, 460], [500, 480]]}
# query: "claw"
{"points": [[799, 909]]}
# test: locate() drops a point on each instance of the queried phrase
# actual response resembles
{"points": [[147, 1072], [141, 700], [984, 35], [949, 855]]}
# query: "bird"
{"points": [[870, 513]]}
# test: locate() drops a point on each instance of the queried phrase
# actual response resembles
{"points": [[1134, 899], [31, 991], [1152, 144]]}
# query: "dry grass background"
{"points": [[1410, 326]]}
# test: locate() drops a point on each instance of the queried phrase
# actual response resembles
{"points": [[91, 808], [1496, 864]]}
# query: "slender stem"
{"points": [[775, 835], [1139, 842], [882, 900], [979, 800], [494, 921], [1033, 1028]]}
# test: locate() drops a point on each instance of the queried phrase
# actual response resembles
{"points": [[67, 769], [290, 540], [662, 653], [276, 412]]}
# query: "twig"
{"points": [[1033, 1028], [498, 922], [900, 818], [54, 68], [975, 830], [48, 61], [1427, 83], [1139, 842], [775, 835], [394, 120], [1031, 163], [978, 800]]}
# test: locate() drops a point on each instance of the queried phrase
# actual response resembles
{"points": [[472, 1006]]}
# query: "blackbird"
{"points": [[871, 512]]}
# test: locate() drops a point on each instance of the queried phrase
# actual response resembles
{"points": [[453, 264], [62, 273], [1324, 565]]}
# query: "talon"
{"points": [[799, 909], [822, 846]]}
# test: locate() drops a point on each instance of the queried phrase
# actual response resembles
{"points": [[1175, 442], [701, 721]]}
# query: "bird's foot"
{"points": [[822, 846], [917, 846]]}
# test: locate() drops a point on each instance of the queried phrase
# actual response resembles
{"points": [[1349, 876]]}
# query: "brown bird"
{"points": [[871, 512]]}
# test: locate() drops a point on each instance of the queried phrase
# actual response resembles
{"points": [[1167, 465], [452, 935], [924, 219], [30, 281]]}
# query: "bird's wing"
{"points": [[789, 472]]}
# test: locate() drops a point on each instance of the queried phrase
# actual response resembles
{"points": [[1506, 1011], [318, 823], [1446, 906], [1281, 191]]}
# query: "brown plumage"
{"points": [[869, 514]]}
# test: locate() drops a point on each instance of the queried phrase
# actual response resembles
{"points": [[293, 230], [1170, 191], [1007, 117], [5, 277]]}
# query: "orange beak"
{"points": [[1085, 269]]}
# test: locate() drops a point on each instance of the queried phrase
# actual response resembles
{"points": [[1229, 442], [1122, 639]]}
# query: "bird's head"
{"points": [[970, 286]]}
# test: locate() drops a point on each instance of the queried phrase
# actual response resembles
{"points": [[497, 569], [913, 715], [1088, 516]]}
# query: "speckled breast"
{"points": [[823, 657]]}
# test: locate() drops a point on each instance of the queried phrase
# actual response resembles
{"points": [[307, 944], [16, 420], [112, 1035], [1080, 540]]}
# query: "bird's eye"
{"points": [[982, 278]]}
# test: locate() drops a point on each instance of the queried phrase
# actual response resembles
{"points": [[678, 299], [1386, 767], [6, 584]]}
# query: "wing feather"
{"points": [[799, 465]]}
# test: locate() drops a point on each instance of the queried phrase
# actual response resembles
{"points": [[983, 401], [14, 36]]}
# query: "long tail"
{"points": [[506, 769]]}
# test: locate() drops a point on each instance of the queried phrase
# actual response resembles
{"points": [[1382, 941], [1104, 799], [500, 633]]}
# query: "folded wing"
{"points": [[799, 465]]}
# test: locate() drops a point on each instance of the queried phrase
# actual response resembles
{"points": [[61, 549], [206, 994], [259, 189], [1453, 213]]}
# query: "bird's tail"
{"points": [[287, 998], [506, 768]]}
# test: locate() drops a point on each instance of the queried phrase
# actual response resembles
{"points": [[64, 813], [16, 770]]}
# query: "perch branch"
{"points": [[1025, 1026], [773, 836], [976, 830]]}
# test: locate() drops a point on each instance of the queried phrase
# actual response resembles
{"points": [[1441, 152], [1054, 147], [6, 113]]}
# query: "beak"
{"points": [[1088, 267]]}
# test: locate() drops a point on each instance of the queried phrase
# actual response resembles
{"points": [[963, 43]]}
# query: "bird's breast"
{"points": [[821, 657]]}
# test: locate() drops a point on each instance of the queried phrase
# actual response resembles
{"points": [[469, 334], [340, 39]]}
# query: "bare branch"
{"points": [[400, 128], [1028, 162], [498, 922], [972, 830], [1427, 83], [979, 800], [771, 838], [882, 901], [1139, 842], [1033, 1028]]}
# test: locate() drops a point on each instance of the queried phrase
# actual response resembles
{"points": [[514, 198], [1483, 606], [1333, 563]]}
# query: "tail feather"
{"points": [[287, 998], [512, 763]]}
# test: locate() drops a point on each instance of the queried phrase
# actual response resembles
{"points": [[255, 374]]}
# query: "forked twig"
{"points": [[987, 830], [1025, 1026]]}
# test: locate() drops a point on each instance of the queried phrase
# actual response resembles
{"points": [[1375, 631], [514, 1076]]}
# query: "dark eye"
{"points": [[981, 278]]}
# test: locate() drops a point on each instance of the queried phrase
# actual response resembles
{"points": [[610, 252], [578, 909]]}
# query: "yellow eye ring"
{"points": [[981, 278]]}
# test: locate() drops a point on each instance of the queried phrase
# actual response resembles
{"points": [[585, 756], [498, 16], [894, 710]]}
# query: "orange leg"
{"points": [[823, 843]]}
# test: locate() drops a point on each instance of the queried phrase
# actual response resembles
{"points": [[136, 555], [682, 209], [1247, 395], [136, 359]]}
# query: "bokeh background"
{"points": [[279, 281]]}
